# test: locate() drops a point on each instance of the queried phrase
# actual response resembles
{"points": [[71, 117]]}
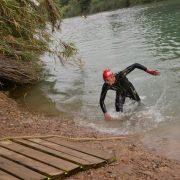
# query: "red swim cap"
{"points": [[107, 73]]}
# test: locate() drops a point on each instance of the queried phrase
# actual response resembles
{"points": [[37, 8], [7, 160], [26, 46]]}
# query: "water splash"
{"points": [[135, 118]]}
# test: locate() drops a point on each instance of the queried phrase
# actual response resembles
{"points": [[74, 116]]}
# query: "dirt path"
{"points": [[134, 161]]}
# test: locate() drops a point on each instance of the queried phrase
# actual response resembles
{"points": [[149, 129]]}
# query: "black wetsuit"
{"points": [[123, 88]]}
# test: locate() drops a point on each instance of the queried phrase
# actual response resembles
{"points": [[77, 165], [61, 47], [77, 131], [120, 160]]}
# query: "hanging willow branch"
{"points": [[53, 13], [24, 37]]}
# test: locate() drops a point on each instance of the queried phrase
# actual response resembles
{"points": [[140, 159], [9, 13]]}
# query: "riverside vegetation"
{"points": [[25, 35], [71, 8]]}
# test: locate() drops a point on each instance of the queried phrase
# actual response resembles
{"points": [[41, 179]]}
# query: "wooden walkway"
{"points": [[46, 158]]}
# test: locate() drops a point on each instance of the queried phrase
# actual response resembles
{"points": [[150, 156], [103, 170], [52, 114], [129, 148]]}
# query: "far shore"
{"points": [[134, 161]]}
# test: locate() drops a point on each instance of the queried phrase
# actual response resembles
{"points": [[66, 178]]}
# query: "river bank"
{"points": [[134, 161]]}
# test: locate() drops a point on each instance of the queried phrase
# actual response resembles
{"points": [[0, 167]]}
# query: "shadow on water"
{"points": [[57, 94], [35, 99]]}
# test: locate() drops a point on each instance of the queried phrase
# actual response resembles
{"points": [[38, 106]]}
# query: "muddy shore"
{"points": [[134, 161]]}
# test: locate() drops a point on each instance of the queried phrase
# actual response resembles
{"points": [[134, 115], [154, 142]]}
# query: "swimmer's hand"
{"points": [[107, 116], [153, 72]]}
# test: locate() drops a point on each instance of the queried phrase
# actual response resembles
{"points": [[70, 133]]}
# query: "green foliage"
{"points": [[63, 2], [71, 8], [104, 5], [74, 7], [135, 2], [23, 27], [84, 6], [25, 35]]}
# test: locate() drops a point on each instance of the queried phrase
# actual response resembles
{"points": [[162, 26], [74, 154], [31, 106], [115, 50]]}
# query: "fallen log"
{"points": [[17, 71]]}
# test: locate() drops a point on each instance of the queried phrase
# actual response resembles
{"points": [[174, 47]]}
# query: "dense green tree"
{"points": [[71, 9], [80, 7], [84, 6], [64, 2]]}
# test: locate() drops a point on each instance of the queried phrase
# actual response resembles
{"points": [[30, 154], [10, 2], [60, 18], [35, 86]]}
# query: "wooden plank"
{"points": [[6, 176], [19, 170], [30, 163], [54, 152], [100, 154], [68, 151], [40, 156]]}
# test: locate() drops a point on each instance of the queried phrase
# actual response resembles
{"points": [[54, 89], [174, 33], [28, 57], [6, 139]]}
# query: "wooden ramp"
{"points": [[46, 158]]}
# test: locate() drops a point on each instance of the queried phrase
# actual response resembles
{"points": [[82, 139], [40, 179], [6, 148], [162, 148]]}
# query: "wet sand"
{"points": [[134, 161]]}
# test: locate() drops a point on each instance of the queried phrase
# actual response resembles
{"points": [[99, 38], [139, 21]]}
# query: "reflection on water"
{"points": [[161, 26], [35, 98], [148, 34]]}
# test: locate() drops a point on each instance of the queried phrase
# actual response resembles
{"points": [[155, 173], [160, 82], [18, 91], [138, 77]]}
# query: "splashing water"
{"points": [[135, 118]]}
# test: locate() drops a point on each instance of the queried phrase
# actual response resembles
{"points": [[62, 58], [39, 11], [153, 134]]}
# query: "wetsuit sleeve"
{"points": [[102, 98], [132, 67]]}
